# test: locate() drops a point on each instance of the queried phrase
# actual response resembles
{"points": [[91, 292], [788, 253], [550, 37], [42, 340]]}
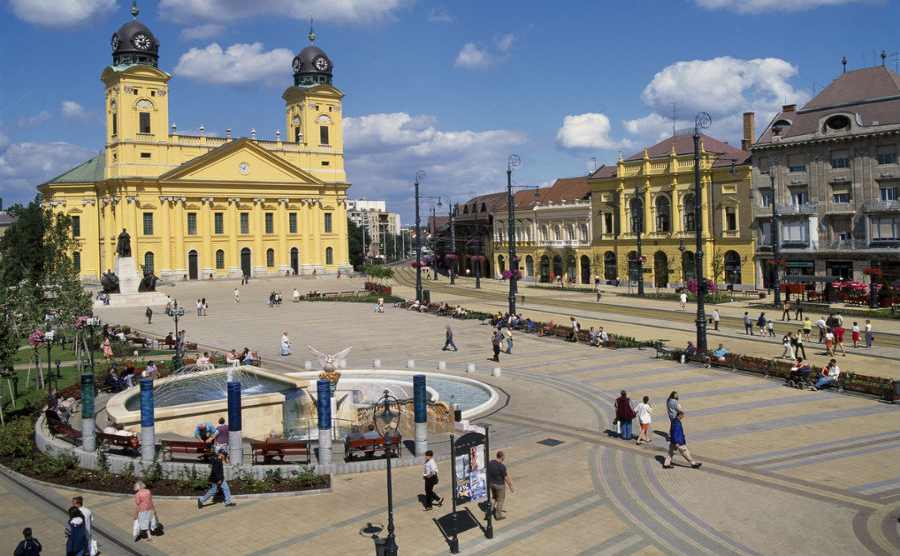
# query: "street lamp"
{"points": [[176, 313], [638, 226], [452, 266], [702, 121], [512, 162], [419, 176], [387, 418], [776, 240], [434, 237]]}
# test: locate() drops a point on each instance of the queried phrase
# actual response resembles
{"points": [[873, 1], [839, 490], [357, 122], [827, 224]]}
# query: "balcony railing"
{"points": [[794, 209], [843, 244], [840, 208], [881, 206]]}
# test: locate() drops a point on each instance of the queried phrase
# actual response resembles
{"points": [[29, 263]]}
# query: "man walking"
{"points": [[149, 314], [748, 324], [677, 440], [237, 295], [495, 344], [508, 336], [798, 309], [498, 480], [430, 474], [683, 299], [78, 502], [870, 336], [715, 318], [217, 481], [448, 342], [786, 310]]}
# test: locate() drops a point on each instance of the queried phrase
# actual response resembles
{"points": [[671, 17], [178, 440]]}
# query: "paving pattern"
{"points": [[785, 471]]}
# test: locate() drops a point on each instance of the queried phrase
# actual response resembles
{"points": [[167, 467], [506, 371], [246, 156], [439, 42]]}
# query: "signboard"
{"points": [[470, 469]]}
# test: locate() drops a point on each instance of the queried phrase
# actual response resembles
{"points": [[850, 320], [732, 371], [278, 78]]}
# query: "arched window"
{"points": [[570, 232], [270, 257], [76, 261], [637, 214], [687, 213], [545, 233], [610, 270], [663, 214], [220, 259], [732, 267], [583, 233], [148, 261], [329, 255]]}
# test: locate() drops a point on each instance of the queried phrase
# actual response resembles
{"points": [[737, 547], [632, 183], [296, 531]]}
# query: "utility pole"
{"points": [[419, 175], [452, 245], [511, 162]]}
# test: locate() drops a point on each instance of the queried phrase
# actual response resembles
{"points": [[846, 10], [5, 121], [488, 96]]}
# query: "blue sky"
{"points": [[449, 87]]}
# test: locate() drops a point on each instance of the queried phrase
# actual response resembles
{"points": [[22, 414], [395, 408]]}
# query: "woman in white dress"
{"points": [[644, 413]]}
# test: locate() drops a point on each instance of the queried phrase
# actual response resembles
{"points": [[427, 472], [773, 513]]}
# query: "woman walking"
{"points": [[76, 534], [107, 349], [677, 440], [644, 413], [496, 338], [839, 331], [144, 511], [624, 416], [285, 344], [788, 348], [797, 343]]}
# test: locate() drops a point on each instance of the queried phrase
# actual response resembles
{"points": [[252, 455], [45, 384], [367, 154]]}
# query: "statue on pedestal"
{"points": [[148, 283], [123, 247], [110, 282]]}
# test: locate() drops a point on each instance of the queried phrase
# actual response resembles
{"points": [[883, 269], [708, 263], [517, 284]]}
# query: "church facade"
{"points": [[199, 206]]}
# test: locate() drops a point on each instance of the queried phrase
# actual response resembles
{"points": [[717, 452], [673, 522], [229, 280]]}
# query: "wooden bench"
{"points": [[271, 448], [130, 443], [186, 448], [61, 429], [368, 447]]}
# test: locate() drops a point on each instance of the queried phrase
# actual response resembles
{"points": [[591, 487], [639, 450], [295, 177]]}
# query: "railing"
{"points": [[806, 208], [840, 208], [563, 243], [761, 211], [881, 206], [843, 244]]}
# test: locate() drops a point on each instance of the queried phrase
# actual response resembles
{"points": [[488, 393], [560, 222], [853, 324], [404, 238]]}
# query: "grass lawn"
{"points": [[29, 394]]}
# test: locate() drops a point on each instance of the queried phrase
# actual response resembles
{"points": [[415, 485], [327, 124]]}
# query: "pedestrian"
{"points": [[798, 345], [107, 348], [576, 328], [448, 340], [829, 343], [748, 324], [854, 334], [199, 308], [822, 325], [217, 481], [149, 314], [644, 413], [788, 352], [495, 344], [285, 344], [28, 546], [220, 440], [76, 534], [807, 328], [204, 307], [498, 481], [683, 299], [839, 331], [508, 336], [599, 291], [624, 415], [761, 324], [237, 295], [677, 440], [786, 310], [78, 502], [870, 336], [798, 310], [770, 327], [430, 474], [144, 511], [715, 318]]}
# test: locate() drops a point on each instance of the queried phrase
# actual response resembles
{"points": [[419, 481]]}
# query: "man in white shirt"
{"points": [[715, 318], [237, 295], [683, 299], [822, 326], [430, 474]]}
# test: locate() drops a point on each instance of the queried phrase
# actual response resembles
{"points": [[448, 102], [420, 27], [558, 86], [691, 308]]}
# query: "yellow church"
{"points": [[199, 206]]}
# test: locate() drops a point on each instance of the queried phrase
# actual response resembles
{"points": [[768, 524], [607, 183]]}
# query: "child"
{"points": [[854, 334], [770, 326]]}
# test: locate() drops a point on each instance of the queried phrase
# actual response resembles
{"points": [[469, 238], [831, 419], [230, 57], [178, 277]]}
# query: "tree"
{"points": [[718, 266], [355, 244]]}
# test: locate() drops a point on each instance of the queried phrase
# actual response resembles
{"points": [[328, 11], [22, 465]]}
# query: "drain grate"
{"points": [[550, 442]]}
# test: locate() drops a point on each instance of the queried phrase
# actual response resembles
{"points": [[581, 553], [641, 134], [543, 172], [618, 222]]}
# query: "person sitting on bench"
{"points": [[830, 375], [800, 371]]}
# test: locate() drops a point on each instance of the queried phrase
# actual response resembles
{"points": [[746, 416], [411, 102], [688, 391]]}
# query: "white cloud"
{"points": [[238, 64], [505, 42], [73, 110], [385, 150], [345, 11], [586, 131], [725, 87], [35, 120], [26, 165], [758, 6], [472, 57], [440, 15], [200, 32], [60, 13]]}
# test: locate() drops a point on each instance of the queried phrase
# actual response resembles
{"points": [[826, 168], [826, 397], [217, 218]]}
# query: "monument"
{"points": [[126, 286]]}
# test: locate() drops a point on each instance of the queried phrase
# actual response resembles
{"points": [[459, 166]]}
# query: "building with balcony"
{"points": [[381, 227], [473, 222], [202, 206], [652, 191], [830, 170], [553, 232]]}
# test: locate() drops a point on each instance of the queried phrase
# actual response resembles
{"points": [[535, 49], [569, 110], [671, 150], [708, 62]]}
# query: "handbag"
{"points": [[95, 547], [156, 527]]}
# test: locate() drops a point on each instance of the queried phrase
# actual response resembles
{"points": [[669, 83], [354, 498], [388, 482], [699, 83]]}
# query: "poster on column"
{"points": [[469, 467]]}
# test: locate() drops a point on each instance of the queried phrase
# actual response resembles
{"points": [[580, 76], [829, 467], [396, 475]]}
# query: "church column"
{"points": [[676, 209], [165, 245], [283, 259], [234, 256], [108, 245], [205, 226], [180, 256], [131, 219], [649, 225], [258, 227]]}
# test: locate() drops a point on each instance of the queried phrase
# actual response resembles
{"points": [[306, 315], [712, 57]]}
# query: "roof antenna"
{"points": [[134, 9], [844, 63], [312, 34]]}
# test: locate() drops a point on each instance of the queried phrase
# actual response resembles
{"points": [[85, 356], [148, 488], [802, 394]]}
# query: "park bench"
{"points": [[369, 446], [663, 352], [271, 448], [130, 443], [185, 448], [61, 429]]}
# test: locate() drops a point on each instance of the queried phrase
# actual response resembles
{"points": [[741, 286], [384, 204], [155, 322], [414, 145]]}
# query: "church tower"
{"points": [[313, 113], [137, 103]]}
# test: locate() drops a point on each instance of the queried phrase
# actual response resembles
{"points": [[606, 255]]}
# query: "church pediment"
{"points": [[240, 161]]}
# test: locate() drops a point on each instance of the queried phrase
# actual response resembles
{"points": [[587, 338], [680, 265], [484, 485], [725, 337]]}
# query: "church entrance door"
{"points": [[245, 262], [193, 269]]}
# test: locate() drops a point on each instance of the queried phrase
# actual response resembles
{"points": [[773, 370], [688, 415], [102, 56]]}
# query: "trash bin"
{"points": [[426, 297]]}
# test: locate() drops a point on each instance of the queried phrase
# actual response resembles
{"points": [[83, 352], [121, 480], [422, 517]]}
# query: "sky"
{"points": [[449, 87]]}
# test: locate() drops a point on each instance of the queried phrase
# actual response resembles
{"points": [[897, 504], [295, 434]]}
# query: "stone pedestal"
{"points": [[129, 278], [129, 284]]}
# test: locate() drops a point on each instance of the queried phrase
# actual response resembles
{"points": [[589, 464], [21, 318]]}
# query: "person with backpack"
{"points": [[76, 534], [29, 546], [624, 416]]}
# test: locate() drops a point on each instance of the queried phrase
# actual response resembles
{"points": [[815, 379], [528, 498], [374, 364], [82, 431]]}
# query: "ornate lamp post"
{"points": [[176, 313], [419, 176], [702, 121], [452, 266], [512, 162], [387, 418]]}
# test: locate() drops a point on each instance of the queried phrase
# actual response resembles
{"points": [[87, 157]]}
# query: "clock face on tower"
{"points": [[296, 120], [141, 41], [115, 41], [296, 64], [321, 63]]}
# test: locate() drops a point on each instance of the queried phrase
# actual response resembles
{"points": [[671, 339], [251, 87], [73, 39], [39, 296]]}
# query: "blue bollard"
{"points": [[420, 401], [235, 447], [148, 430], [323, 407]]}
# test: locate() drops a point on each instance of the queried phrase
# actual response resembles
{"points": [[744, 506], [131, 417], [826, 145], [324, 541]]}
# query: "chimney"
{"points": [[789, 108], [749, 131]]}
